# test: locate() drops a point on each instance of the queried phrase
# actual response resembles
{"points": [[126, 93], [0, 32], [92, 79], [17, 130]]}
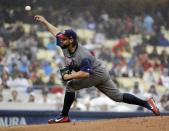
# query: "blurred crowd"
{"points": [[21, 69]]}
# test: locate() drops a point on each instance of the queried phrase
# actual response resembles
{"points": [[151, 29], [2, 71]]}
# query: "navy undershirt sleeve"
{"points": [[86, 65]]}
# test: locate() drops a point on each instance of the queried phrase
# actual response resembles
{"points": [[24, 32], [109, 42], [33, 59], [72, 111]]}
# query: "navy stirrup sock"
{"points": [[68, 100], [131, 99]]}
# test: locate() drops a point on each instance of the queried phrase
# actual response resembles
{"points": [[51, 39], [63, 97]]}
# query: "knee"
{"points": [[75, 85], [70, 87], [118, 98]]}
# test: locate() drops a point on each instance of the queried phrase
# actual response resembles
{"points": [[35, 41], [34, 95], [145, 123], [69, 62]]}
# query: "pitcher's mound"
{"points": [[160, 123]]}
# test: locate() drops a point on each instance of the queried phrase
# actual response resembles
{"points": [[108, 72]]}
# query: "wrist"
{"points": [[66, 77], [45, 22]]}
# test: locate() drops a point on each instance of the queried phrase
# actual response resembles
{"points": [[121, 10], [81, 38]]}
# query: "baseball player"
{"points": [[83, 70]]}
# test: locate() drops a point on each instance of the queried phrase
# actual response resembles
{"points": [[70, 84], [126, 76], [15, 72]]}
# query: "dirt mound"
{"points": [[160, 123]]}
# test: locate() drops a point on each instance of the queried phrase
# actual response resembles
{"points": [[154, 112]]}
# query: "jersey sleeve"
{"points": [[86, 65]]}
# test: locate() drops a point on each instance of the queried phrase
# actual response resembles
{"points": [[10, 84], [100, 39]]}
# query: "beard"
{"points": [[64, 46]]}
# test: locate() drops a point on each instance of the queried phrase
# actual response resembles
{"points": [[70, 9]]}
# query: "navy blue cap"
{"points": [[68, 33]]}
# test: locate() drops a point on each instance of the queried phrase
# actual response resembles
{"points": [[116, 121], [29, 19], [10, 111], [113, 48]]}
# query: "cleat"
{"points": [[60, 119], [153, 107]]}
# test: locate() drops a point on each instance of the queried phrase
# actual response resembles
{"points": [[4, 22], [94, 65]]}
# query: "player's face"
{"points": [[65, 43]]}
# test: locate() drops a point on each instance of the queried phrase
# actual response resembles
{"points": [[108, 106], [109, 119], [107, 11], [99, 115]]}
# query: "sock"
{"points": [[131, 99], [68, 100]]}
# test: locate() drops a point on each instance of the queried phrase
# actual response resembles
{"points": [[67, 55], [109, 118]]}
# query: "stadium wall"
{"points": [[22, 117]]}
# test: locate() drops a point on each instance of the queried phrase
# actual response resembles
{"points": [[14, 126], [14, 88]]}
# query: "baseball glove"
{"points": [[64, 71]]}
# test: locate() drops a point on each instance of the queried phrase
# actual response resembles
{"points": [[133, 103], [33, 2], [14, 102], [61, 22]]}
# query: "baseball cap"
{"points": [[68, 33]]}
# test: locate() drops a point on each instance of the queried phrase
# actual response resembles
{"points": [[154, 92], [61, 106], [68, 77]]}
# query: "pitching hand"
{"points": [[40, 18]]}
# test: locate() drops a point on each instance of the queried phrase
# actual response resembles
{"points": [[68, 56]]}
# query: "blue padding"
{"points": [[86, 65]]}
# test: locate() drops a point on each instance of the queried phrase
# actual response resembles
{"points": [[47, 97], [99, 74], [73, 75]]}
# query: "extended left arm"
{"points": [[84, 72], [76, 75]]}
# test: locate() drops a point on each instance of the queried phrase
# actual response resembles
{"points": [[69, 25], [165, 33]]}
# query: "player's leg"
{"points": [[110, 89], [149, 103], [72, 86], [63, 116], [68, 101]]}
